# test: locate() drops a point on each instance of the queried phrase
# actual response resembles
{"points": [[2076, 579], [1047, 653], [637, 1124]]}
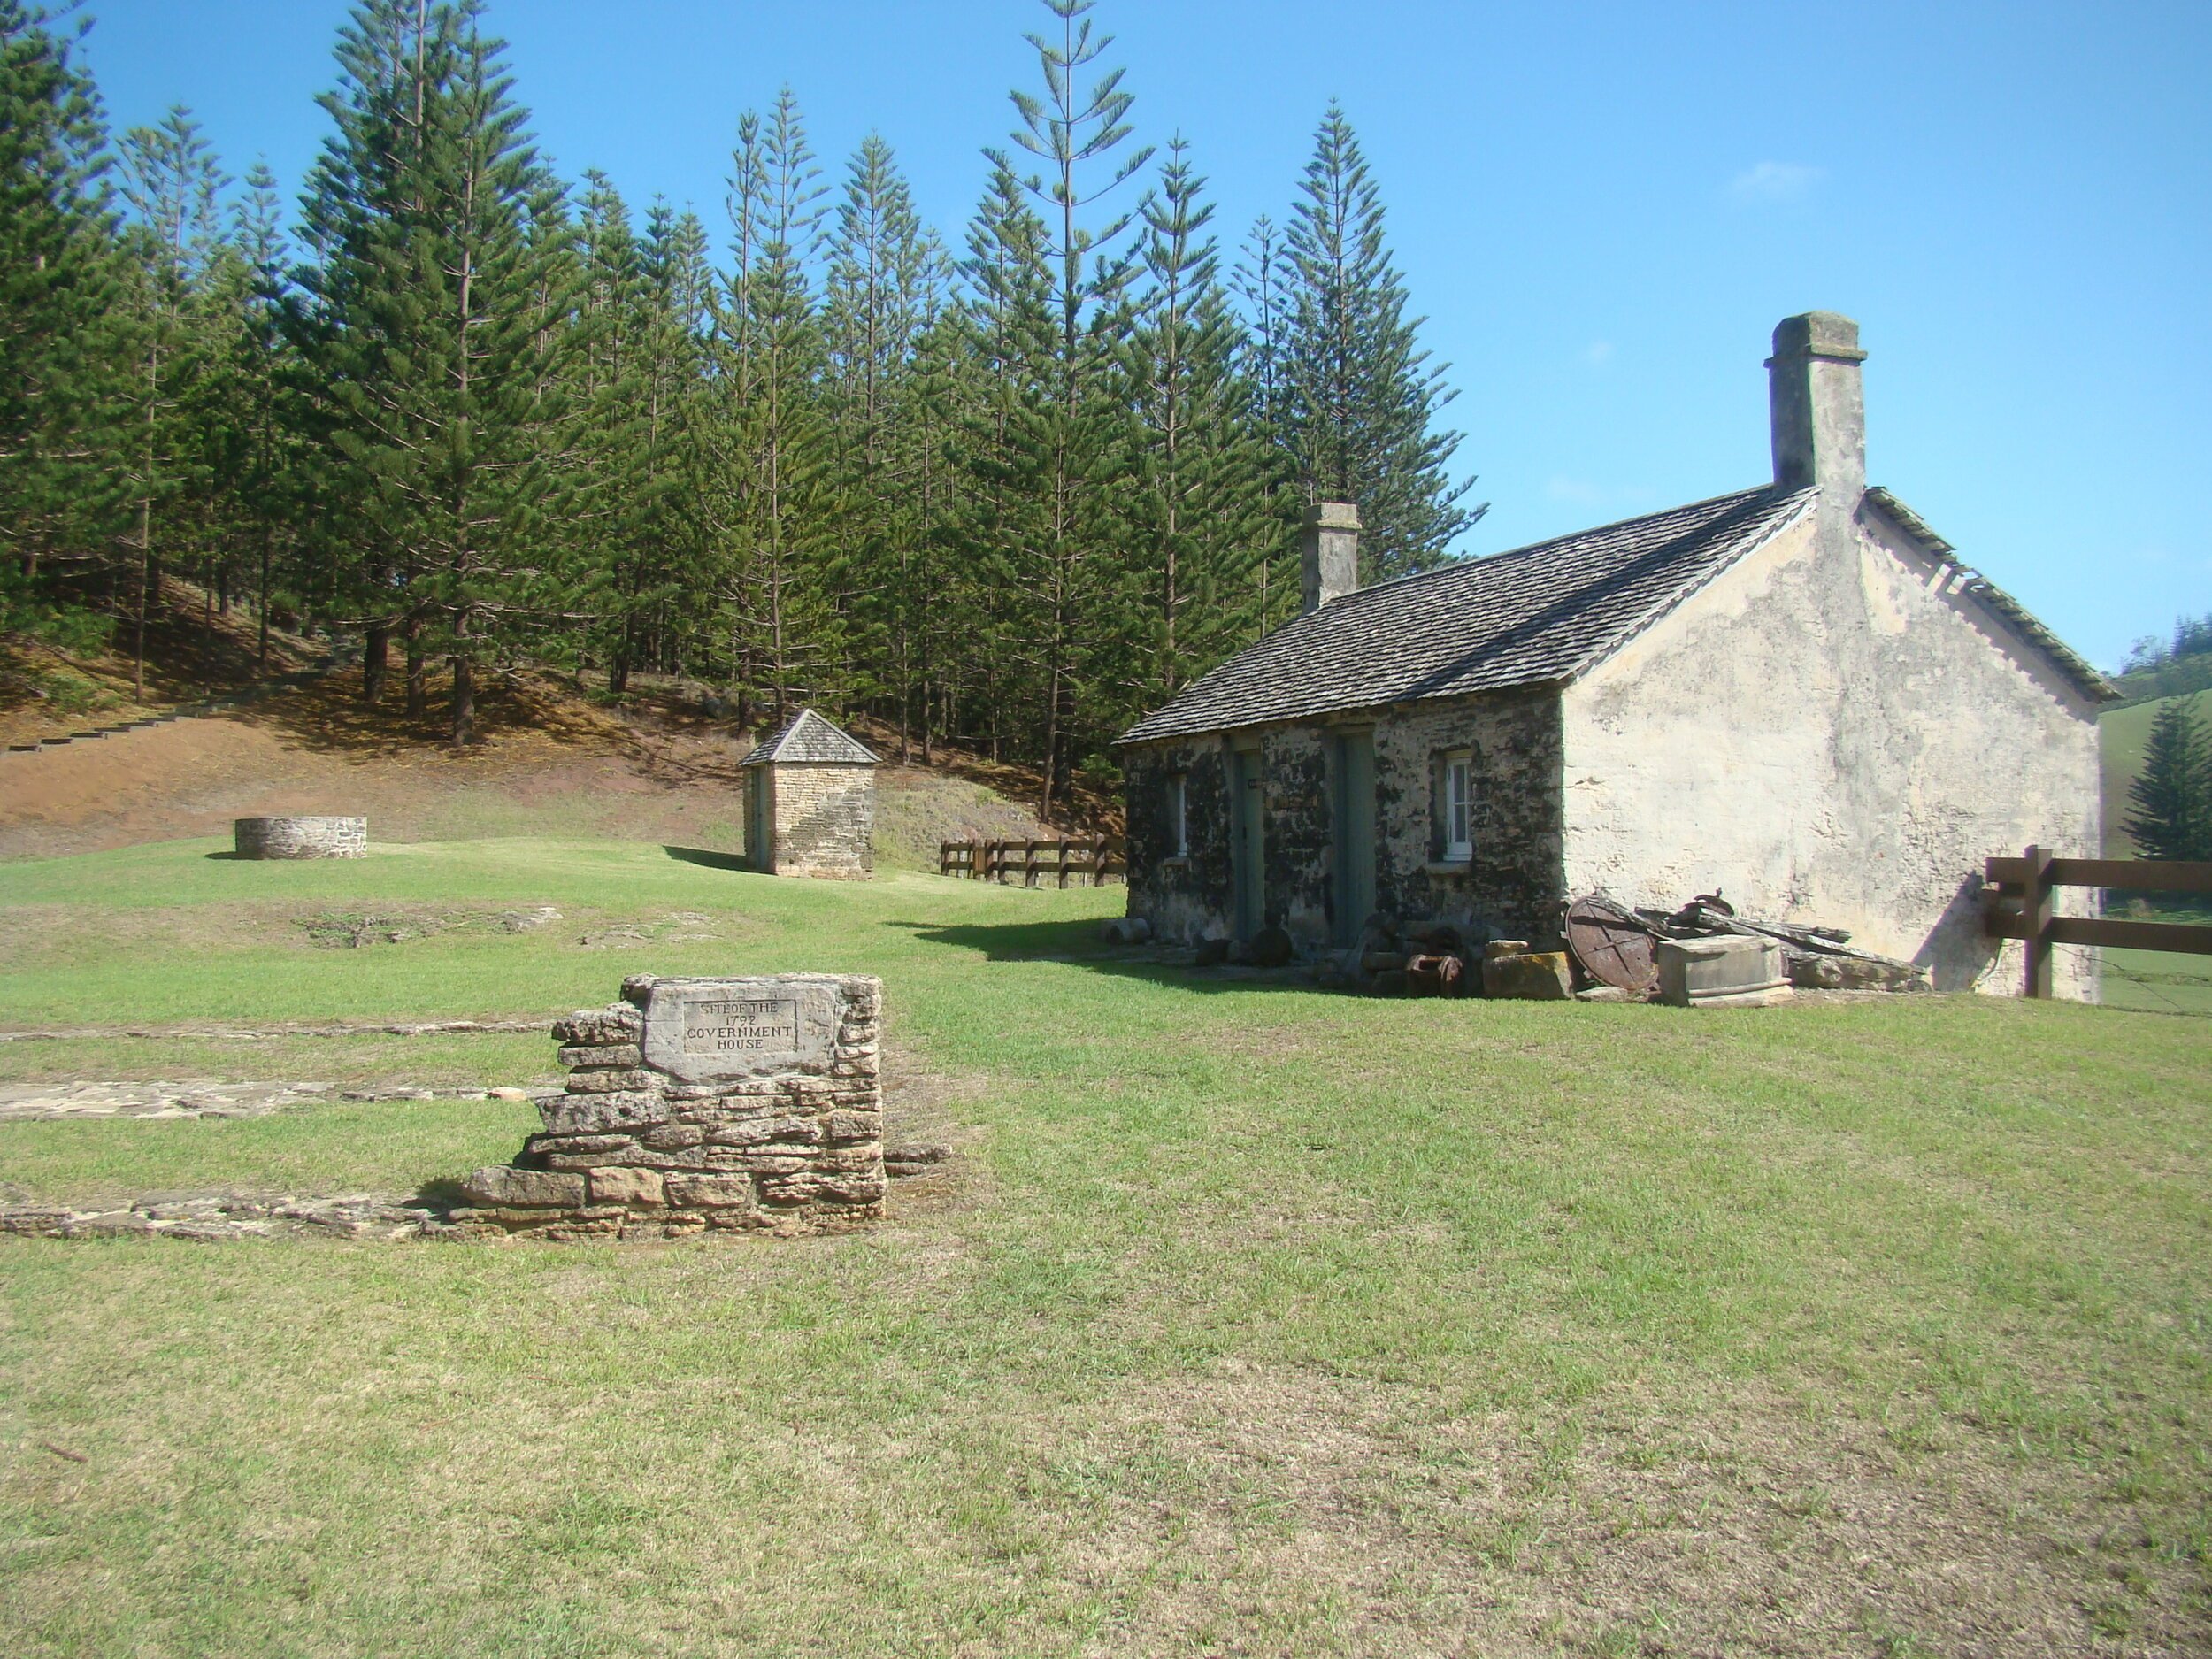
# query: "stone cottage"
{"points": [[1796, 694], [811, 802]]}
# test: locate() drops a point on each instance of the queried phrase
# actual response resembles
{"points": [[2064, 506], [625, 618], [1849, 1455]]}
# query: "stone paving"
{"points": [[234, 1034], [224, 1217], [203, 1097]]}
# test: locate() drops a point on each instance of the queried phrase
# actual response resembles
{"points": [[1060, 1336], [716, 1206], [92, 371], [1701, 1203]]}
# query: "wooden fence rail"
{"points": [[2016, 905], [1095, 861]]}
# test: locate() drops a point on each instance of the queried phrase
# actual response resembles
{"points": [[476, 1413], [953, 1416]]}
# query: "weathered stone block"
{"points": [[710, 1191], [548, 1146], [1731, 969], [618, 1024], [700, 1031], [1540, 976], [624, 1055], [845, 1124], [672, 1137], [505, 1187], [637, 1188], [597, 1114], [596, 1082]]}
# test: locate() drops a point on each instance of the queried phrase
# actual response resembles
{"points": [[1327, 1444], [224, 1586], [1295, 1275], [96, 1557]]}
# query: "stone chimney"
{"points": [[1819, 410], [1328, 553]]}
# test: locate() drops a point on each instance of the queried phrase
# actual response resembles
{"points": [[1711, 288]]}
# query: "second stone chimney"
{"points": [[1329, 553], [1819, 411]]}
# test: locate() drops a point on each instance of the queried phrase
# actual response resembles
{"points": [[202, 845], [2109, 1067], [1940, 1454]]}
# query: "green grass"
{"points": [[1250, 1319]]}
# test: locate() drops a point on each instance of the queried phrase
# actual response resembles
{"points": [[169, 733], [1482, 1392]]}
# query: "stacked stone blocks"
{"points": [[750, 1105]]}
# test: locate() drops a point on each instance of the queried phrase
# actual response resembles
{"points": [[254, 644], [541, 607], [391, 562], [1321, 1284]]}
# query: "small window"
{"points": [[1178, 815], [1455, 805]]}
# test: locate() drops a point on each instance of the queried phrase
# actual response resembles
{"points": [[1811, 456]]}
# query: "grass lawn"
{"points": [[1248, 1320]]}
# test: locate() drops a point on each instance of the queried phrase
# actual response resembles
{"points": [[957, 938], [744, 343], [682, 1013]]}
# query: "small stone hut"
{"points": [[811, 802], [1797, 694]]}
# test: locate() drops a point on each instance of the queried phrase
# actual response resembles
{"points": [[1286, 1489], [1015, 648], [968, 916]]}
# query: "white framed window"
{"points": [[1455, 805], [1178, 815]]}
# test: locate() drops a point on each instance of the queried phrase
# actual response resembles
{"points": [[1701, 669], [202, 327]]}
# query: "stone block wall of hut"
{"points": [[825, 819]]}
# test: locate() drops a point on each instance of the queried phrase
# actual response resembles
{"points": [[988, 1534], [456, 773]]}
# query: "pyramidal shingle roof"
{"points": [[807, 738], [1536, 614]]}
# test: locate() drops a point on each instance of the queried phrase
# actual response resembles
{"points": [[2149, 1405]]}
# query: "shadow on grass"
{"points": [[709, 859], [1077, 944], [231, 856]]}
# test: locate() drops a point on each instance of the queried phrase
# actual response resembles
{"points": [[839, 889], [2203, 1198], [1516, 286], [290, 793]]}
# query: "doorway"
{"points": [[1352, 814], [1248, 840], [760, 821]]}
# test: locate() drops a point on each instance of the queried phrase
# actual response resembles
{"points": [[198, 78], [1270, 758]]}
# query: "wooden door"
{"points": [[1248, 841], [1352, 830]]}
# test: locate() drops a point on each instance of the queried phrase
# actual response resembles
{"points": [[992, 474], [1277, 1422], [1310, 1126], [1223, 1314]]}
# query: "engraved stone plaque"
{"points": [[702, 1030]]}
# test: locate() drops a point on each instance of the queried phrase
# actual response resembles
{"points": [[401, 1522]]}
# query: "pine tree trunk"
{"points": [[376, 652], [464, 685], [265, 535], [145, 565], [417, 671]]}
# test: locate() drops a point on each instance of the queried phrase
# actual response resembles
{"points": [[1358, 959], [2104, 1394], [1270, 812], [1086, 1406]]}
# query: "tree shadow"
{"points": [[707, 858], [1077, 944], [230, 857]]}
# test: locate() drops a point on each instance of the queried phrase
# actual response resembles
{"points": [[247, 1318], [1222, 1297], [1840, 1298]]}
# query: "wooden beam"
{"points": [[2135, 875], [2188, 939]]}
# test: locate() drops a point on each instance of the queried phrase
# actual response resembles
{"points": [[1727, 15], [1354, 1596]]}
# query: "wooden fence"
{"points": [[2016, 905], [1093, 861]]}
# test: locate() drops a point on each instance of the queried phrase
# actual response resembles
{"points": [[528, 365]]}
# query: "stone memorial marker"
{"points": [[748, 1103]]}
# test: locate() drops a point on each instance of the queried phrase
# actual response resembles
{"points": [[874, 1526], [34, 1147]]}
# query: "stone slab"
{"points": [[707, 1030]]}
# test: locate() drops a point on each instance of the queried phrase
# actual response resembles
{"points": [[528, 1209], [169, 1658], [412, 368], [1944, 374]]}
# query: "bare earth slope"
{"points": [[552, 764]]}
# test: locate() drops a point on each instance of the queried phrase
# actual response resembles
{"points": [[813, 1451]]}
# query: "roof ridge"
{"points": [[1526, 616], [1573, 535]]}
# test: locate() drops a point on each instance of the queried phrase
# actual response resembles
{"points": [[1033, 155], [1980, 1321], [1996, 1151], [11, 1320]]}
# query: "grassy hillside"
{"points": [[1248, 1319], [2150, 979], [2121, 736]]}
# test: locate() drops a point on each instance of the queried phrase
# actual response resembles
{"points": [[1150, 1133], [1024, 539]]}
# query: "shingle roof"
{"points": [[1533, 615], [1994, 598], [807, 738]]}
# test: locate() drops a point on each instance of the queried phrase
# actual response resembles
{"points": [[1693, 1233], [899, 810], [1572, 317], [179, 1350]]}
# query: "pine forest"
{"points": [[1005, 485]]}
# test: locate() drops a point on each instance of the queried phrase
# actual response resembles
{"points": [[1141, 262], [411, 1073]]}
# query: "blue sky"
{"points": [[1603, 209]]}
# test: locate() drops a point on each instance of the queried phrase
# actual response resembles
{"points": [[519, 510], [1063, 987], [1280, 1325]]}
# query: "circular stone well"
{"points": [[300, 837]]}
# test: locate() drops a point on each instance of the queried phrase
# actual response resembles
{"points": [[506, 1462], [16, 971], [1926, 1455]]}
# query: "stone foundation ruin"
{"points": [[300, 837], [752, 1104]]}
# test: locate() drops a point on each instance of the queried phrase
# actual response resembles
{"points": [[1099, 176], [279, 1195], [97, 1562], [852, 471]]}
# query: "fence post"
{"points": [[2035, 915]]}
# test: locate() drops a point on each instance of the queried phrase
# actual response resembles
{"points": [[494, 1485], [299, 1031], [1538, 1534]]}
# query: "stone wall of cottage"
{"points": [[1183, 892], [1834, 733], [1512, 887], [825, 821]]}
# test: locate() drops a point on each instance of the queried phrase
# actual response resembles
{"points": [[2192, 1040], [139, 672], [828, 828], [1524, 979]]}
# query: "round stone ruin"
{"points": [[300, 837]]}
